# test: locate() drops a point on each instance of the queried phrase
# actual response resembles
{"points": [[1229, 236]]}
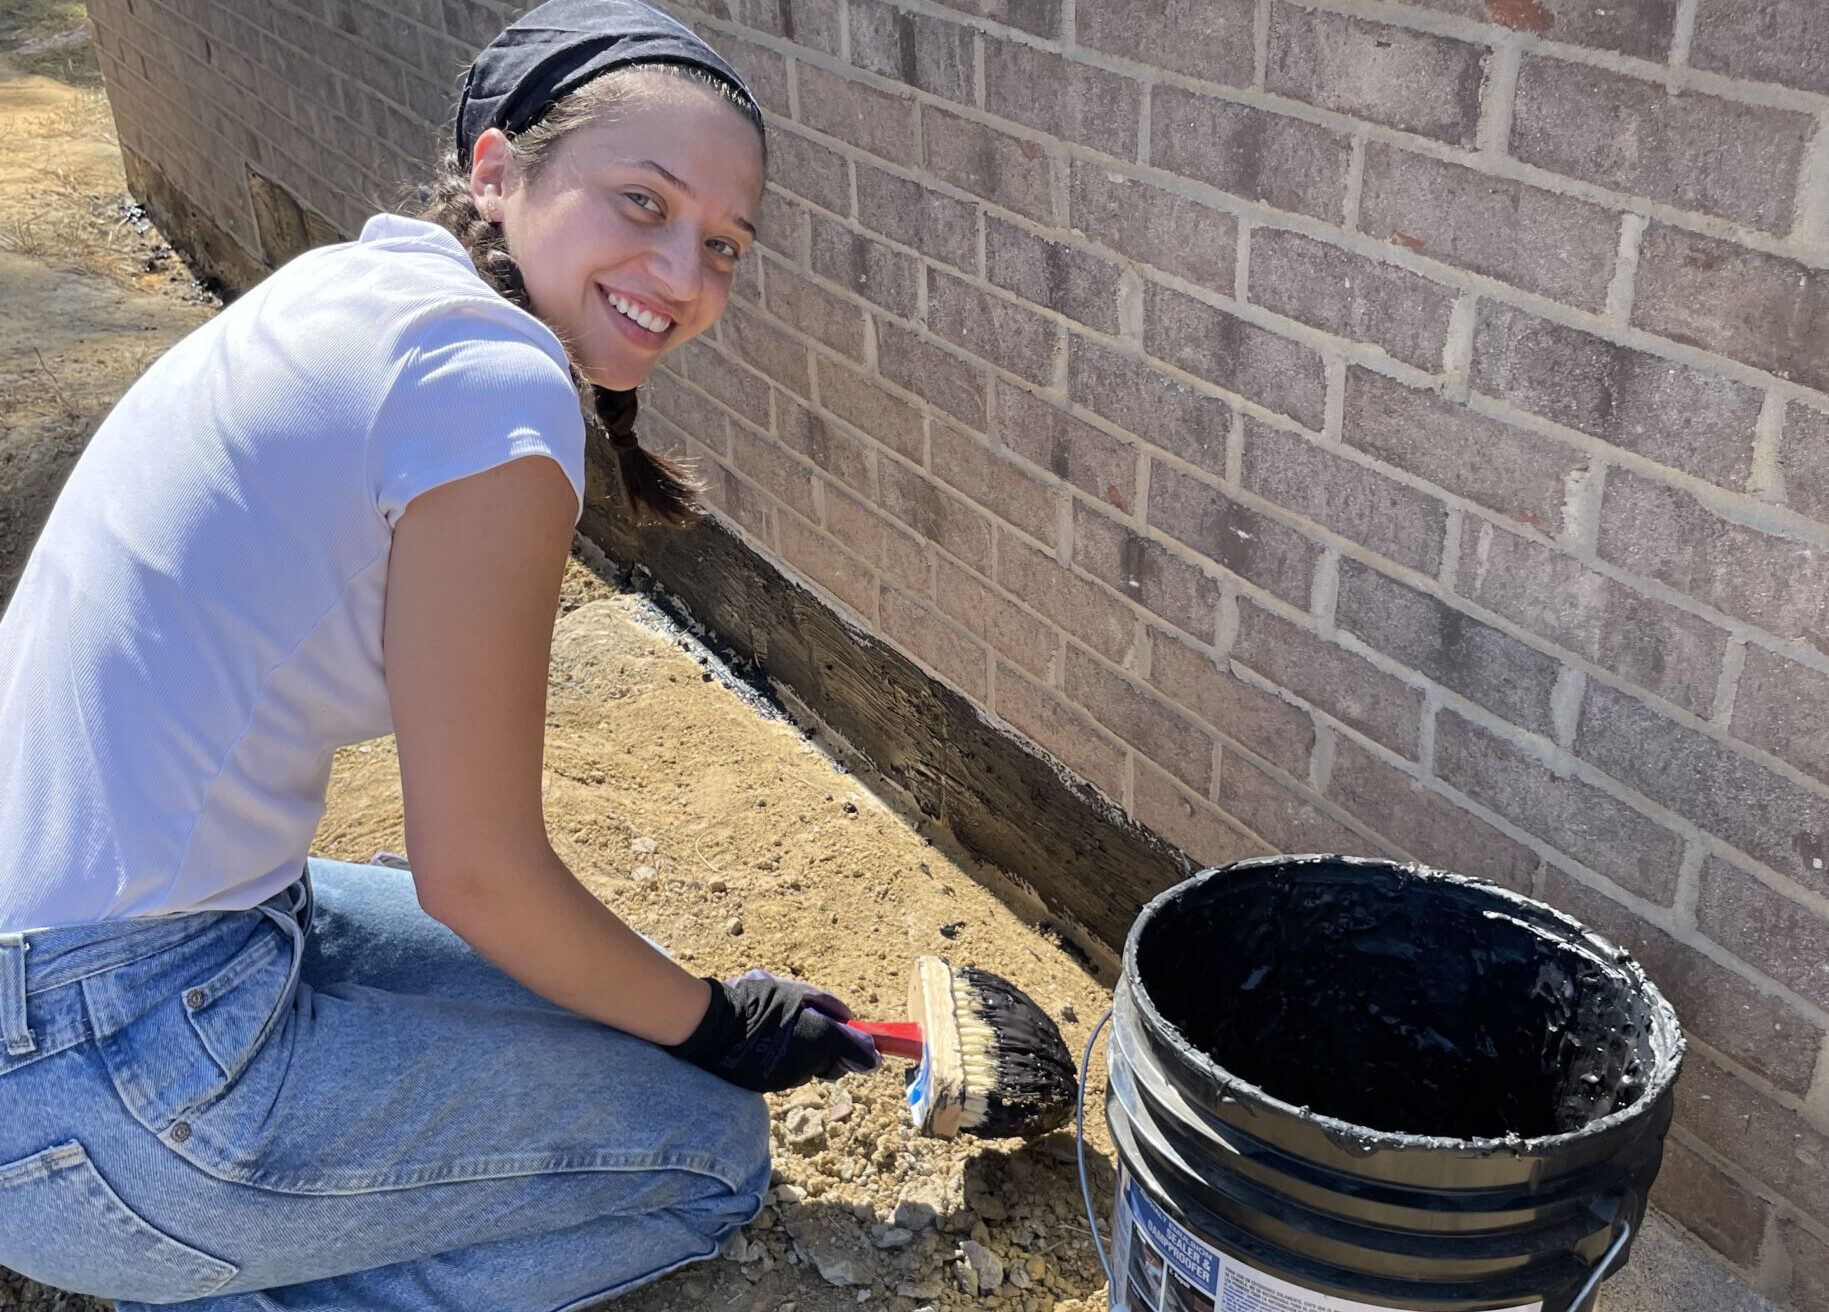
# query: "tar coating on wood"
{"points": [[1035, 1087], [1003, 802], [1453, 1018]]}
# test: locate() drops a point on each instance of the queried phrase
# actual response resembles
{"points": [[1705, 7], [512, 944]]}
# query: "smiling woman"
{"points": [[236, 1075]]}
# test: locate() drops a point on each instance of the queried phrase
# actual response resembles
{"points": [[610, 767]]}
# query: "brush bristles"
{"points": [[1019, 1076]]}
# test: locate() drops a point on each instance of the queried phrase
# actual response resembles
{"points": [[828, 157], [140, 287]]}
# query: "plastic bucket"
{"points": [[1340, 1084]]}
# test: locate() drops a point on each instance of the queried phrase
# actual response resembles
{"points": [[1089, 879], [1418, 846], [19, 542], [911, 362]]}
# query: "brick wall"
{"points": [[1352, 425]]}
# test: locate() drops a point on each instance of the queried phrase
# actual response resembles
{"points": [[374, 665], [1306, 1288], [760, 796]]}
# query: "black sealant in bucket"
{"points": [[1340, 1085]]}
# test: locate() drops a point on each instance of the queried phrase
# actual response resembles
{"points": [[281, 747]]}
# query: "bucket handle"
{"points": [[1605, 1265], [1111, 1282]]}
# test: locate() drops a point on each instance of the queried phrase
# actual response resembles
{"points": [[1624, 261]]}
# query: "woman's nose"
{"points": [[676, 267]]}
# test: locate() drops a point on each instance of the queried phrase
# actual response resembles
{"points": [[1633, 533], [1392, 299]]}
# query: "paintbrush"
{"points": [[991, 1061]]}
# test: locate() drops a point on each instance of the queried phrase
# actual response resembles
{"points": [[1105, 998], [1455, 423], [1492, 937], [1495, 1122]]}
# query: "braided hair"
{"points": [[655, 489]]}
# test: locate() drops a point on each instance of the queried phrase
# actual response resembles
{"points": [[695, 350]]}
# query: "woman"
{"points": [[233, 1078]]}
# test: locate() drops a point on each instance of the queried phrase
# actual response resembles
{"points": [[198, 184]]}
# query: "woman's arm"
{"points": [[473, 584]]}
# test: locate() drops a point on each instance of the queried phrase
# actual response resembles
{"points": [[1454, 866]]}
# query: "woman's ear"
{"points": [[491, 166]]}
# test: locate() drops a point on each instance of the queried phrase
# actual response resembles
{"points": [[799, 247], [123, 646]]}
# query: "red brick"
{"points": [[1779, 584], [1391, 75], [1784, 41], [708, 369], [1710, 1204], [943, 380], [944, 520], [1072, 282], [872, 120], [1042, 17], [1145, 722], [817, 313], [1266, 724], [1783, 707], [1192, 824], [1062, 97], [1538, 240], [1063, 732], [1665, 650], [1277, 372], [827, 564], [1699, 777], [1254, 546], [1088, 458], [1289, 821], [1091, 613], [1403, 313], [1453, 648], [1751, 1024], [776, 472], [1763, 310], [1013, 172], [1774, 934], [1632, 27], [993, 328], [873, 411], [1687, 418], [1001, 486], [1424, 823], [1520, 474], [924, 51], [1352, 500], [1345, 685], [686, 408], [875, 272], [1016, 635], [764, 70], [830, 450], [1286, 162], [811, 171], [1145, 571], [765, 348], [1575, 817], [1804, 458], [886, 546], [936, 225], [935, 643], [1808, 1259], [1208, 39], [1689, 150], [1768, 1141], [782, 228], [1176, 234], [1140, 398]]}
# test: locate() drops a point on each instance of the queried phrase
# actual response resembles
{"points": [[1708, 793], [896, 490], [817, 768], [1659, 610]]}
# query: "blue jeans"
{"points": [[331, 1101]]}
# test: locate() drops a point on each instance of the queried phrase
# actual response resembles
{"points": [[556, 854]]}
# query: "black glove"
{"points": [[770, 1034]]}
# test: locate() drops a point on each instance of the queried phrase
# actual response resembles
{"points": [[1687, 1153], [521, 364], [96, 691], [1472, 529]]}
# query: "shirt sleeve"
{"points": [[474, 391]]}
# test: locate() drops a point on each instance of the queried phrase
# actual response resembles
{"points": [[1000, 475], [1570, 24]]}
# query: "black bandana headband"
{"points": [[557, 47]]}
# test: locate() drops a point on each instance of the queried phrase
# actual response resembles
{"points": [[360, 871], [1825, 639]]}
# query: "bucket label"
{"points": [[1160, 1266]]}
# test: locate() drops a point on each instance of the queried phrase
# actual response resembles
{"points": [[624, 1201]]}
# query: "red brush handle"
{"points": [[893, 1038]]}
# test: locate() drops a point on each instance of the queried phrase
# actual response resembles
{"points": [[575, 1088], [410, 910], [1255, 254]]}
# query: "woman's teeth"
{"points": [[654, 323]]}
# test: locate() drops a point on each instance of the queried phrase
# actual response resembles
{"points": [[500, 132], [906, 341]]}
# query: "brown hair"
{"points": [[655, 489]]}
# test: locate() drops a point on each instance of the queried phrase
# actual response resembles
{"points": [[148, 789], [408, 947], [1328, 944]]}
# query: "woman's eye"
{"points": [[643, 199], [727, 249]]}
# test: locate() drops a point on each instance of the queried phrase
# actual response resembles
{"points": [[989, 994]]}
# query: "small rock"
{"points": [[965, 1278], [718, 886], [791, 1193], [644, 846], [989, 1206], [1019, 1277], [891, 1236], [840, 1106], [733, 926], [806, 1127], [987, 1265], [923, 1287], [1069, 1012], [644, 872], [922, 1203]]}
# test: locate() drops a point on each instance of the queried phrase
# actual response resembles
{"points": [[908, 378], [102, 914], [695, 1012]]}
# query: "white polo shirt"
{"points": [[199, 626]]}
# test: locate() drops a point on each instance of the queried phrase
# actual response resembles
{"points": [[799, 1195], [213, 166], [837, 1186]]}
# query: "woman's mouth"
{"points": [[637, 321]]}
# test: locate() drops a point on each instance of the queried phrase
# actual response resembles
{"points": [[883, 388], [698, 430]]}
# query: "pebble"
{"points": [[733, 926], [840, 1106], [806, 1127], [984, 1263], [891, 1236], [644, 872], [718, 886], [644, 846], [791, 1193], [1069, 1012]]}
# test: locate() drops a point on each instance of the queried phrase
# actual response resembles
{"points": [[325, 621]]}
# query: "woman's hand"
{"points": [[770, 1034], [472, 588]]}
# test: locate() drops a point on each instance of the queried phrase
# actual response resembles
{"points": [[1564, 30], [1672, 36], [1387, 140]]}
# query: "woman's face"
{"points": [[629, 236]]}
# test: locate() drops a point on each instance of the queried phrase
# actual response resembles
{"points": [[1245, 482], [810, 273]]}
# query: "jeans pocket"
{"points": [[62, 1225], [233, 1010]]}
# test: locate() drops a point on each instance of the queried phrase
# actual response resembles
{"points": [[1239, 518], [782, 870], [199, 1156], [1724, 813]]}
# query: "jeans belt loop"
{"points": [[19, 1040]]}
